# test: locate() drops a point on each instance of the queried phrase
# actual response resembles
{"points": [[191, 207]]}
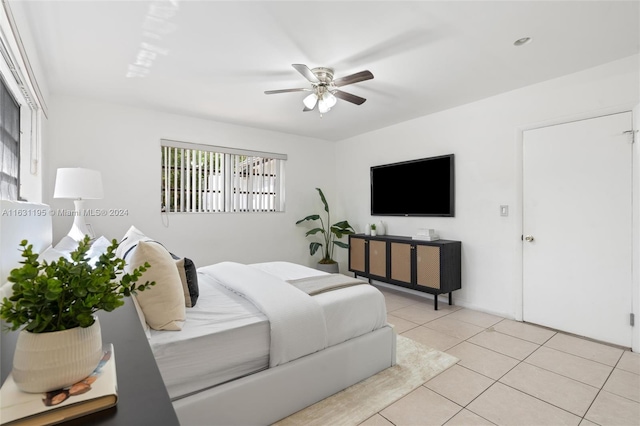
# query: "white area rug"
{"points": [[416, 364]]}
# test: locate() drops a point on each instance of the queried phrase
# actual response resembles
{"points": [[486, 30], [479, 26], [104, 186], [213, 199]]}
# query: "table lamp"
{"points": [[78, 184]]}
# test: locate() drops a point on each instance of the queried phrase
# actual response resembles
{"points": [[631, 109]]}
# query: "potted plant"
{"points": [[329, 237], [373, 229], [55, 301]]}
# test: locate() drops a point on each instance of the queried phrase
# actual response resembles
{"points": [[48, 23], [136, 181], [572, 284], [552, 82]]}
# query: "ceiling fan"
{"points": [[324, 88]]}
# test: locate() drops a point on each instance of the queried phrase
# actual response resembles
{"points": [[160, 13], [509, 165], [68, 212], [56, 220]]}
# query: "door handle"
{"points": [[528, 238]]}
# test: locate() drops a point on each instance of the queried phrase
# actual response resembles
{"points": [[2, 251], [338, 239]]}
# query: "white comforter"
{"points": [[226, 336], [297, 322]]}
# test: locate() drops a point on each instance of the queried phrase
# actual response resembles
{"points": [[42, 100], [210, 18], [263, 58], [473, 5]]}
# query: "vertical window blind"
{"points": [[9, 145], [202, 178]]}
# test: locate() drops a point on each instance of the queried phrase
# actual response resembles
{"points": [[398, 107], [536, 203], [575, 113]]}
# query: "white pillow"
{"points": [[63, 249], [163, 304], [66, 245], [130, 239], [51, 254], [98, 248]]}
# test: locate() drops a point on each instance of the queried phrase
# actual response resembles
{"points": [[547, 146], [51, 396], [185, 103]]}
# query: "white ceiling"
{"points": [[214, 59]]}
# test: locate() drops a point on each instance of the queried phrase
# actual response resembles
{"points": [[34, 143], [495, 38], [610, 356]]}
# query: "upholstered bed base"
{"points": [[270, 395]]}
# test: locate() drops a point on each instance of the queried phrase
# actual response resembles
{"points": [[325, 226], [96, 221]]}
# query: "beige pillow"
{"points": [[162, 304]]}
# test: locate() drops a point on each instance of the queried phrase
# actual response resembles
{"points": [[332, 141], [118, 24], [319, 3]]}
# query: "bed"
{"points": [[238, 359]]}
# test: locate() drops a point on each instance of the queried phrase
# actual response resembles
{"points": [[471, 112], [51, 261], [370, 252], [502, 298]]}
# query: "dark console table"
{"points": [[429, 266], [142, 396]]}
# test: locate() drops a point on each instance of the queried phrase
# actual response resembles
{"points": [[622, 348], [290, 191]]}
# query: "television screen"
{"points": [[423, 187]]}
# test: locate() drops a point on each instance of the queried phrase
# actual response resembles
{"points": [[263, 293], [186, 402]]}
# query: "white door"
{"points": [[577, 195]]}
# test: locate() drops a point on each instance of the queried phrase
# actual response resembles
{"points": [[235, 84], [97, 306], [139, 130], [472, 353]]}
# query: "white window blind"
{"points": [[9, 145], [202, 178]]}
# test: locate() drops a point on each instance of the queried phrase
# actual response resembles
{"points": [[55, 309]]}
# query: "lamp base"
{"points": [[79, 228]]}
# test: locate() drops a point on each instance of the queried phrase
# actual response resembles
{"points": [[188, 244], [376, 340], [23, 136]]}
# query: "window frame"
{"points": [[7, 138]]}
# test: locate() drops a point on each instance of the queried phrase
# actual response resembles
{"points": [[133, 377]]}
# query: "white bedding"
{"points": [[223, 338], [297, 324], [349, 312], [226, 336]]}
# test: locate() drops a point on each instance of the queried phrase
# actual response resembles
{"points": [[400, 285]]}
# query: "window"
{"points": [[9, 144], [204, 178]]}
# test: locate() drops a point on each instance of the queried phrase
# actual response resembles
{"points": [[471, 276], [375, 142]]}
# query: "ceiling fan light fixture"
{"points": [[310, 101], [330, 99], [323, 106]]}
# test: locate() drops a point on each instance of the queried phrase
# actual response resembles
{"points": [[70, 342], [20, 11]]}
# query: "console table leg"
{"points": [[450, 298], [435, 302]]}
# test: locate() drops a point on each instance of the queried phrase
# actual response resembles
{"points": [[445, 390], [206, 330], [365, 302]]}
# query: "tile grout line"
{"points": [[524, 360], [563, 375]]}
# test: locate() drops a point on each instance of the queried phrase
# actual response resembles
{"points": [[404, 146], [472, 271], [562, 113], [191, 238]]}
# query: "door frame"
{"points": [[518, 211]]}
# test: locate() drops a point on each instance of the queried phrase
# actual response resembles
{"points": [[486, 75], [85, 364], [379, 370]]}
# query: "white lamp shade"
{"points": [[330, 99], [78, 183], [323, 106], [310, 101]]}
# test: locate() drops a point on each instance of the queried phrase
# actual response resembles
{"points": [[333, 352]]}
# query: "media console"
{"points": [[429, 266]]}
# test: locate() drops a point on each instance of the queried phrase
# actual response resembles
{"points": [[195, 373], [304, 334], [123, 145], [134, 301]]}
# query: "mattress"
{"points": [[226, 337]]}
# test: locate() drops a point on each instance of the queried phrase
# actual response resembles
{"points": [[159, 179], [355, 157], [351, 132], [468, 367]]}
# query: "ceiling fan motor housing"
{"points": [[325, 75]]}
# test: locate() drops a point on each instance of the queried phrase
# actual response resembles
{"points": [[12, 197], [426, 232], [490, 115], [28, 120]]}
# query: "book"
{"points": [[97, 392], [426, 237]]}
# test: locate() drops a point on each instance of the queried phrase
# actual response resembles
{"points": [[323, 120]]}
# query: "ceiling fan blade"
{"points": [[349, 97], [353, 78], [306, 72], [271, 92]]}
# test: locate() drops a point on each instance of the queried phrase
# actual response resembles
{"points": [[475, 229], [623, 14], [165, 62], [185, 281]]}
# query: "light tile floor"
{"points": [[510, 373]]}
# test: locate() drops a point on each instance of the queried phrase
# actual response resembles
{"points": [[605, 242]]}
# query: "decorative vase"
{"points": [[44, 362], [332, 268], [367, 229], [380, 228]]}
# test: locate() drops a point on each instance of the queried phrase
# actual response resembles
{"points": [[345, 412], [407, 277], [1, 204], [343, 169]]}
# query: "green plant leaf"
{"points": [[314, 231], [310, 217], [324, 200], [313, 247], [341, 244]]}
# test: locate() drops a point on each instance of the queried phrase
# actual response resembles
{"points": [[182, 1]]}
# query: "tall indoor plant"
{"points": [[329, 237], [55, 301]]}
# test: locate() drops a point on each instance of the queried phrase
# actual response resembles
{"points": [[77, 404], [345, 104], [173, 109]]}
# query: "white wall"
{"points": [[31, 151], [124, 144], [486, 137]]}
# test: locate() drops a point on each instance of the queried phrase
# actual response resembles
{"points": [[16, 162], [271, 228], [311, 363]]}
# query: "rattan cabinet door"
{"points": [[378, 258], [357, 251], [401, 262], [428, 266]]}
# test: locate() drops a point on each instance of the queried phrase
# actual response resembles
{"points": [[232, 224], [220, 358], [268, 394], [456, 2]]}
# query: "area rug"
{"points": [[415, 364]]}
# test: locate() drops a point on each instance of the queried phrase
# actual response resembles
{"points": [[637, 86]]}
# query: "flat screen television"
{"points": [[423, 187]]}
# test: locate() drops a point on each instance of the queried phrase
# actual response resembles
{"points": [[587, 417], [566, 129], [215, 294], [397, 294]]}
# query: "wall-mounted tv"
{"points": [[423, 187]]}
